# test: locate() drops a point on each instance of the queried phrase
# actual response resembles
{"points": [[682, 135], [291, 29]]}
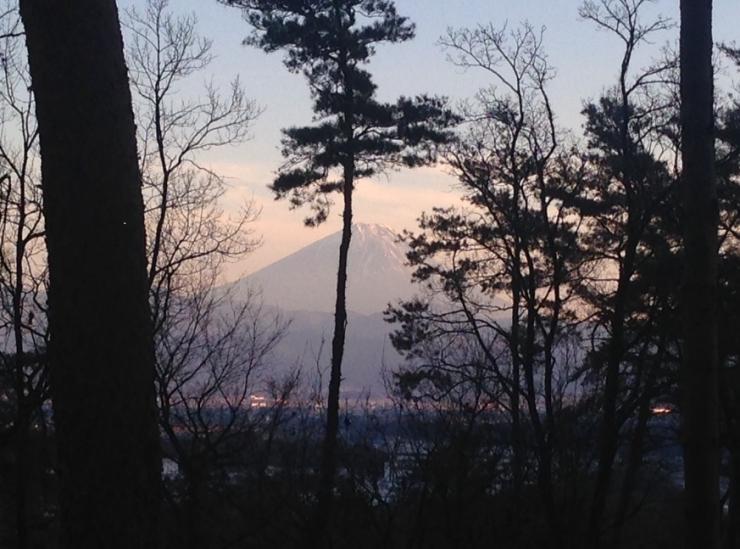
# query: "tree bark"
{"points": [[699, 292], [329, 452], [101, 352], [729, 396], [322, 527], [610, 426]]}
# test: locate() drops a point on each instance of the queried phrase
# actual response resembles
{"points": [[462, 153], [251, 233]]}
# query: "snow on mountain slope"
{"points": [[306, 280], [303, 287]]}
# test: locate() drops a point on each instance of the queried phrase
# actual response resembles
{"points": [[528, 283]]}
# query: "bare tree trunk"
{"points": [[329, 453], [24, 413], [635, 456], [542, 447], [516, 366], [23, 426], [609, 429], [23, 417], [195, 477], [732, 540], [729, 395], [101, 354], [610, 424], [699, 295]]}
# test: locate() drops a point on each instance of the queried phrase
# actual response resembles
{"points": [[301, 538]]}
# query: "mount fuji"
{"points": [[306, 280], [302, 286]]}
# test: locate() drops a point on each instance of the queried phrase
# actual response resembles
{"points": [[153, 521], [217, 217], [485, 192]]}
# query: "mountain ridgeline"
{"points": [[301, 286], [306, 279]]}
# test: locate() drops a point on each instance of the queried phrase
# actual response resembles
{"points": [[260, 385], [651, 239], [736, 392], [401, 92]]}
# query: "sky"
{"points": [[586, 61]]}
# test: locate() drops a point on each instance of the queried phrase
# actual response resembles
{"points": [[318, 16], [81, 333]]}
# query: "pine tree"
{"points": [[355, 136]]}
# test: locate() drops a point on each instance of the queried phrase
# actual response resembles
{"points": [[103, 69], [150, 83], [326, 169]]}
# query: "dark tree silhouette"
{"points": [[355, 136], [728, 166], [699, 293], [209, 346], [101, 352], [513, 243], [22, 271], [627, 186]]}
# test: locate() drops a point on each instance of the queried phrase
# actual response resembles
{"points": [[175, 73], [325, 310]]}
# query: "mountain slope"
{"points": [[367, 350], [302, 286], [306, 280]]}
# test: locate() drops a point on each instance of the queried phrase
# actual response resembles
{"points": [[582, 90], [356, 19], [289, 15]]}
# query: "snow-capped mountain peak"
{"points": [[306, 279]]}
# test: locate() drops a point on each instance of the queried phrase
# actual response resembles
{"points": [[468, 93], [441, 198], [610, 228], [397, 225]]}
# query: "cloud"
{"points": [[399, 200]]}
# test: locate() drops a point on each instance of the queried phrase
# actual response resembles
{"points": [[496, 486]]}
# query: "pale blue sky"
{"points": [[586, 60]]}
